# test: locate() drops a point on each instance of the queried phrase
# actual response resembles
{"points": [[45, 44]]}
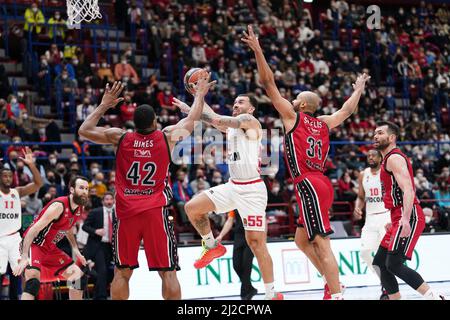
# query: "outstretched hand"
{"points": [[203, 85], [251, 39], [181, 105], [111, 96], [361, 82], [28, 158]]}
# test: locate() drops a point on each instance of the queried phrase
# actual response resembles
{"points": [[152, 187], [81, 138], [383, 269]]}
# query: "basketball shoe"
{"points": [[327, 293], [209, 254]]}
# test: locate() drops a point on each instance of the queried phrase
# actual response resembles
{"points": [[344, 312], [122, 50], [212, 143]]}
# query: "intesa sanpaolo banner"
{"points": [[293, 272]]}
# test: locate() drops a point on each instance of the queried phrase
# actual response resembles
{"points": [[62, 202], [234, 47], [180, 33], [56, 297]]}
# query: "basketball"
{"points": [[191, 77]]}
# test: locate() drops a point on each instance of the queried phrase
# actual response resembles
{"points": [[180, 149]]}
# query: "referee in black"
{"points": [[242, 254]]}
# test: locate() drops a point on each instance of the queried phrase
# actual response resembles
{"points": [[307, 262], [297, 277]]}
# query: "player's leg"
{"points": [[388, 280], [120, 289], [329, 264], [32, 283], [316, 195], [171, 289], [307, 247], [402, 249], [219, 199], [76, 284], [257, 242], [369, 244], [160, 248], [127, 235]]}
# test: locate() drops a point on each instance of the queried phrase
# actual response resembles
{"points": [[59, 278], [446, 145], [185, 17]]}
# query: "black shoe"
{"points": [[384, 295], [250, 295]]}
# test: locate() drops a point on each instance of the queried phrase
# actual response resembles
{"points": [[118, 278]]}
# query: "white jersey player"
{"points": [[245, 190], [11, 211], [377, 216]]}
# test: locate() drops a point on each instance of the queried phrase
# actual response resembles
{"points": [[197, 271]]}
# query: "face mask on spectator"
{"points": [[275, 189], [75, 62], [164, 118], [124, 61], [290, 187], [44, 62], [25, 116], [64, 76], [52, 161], [74, 159], [104, 65], [35, 9], [57, 16], [217, 180], [447, 157], [94, 171], [13, 101]]}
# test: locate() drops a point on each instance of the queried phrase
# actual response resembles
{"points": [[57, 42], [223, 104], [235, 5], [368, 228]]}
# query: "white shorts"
{"points": [[9, 251], [249, 199], [373, 231]]}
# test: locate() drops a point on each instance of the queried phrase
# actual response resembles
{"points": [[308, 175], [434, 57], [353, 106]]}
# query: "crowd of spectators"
{"points": [[310, 49]]}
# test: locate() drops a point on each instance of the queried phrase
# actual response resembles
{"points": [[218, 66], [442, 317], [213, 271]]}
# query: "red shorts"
{"points": [[156, 231], [50, 261], [315, 197], [392, 241]]}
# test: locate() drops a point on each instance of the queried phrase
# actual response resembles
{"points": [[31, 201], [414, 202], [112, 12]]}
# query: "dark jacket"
{"points": [[93, 222]]}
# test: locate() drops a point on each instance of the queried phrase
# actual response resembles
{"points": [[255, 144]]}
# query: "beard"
{"points": [[373, 165], [80, 200], [382, 145]]}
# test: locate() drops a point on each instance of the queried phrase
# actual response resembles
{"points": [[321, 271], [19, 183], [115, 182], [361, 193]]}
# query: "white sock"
{"points": [[337, 296], [270, 290], [431, 295], [210, 242]]}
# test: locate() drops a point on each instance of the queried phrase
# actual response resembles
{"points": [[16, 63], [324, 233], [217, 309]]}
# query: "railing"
{"points": [[85, 158]]}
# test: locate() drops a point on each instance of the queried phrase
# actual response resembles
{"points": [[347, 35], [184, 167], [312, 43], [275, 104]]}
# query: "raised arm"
{"points": [[37, 179], [360, 200], [52, 213], [242, 121], [349, 106], [185, 108], [283, 106], [399, 168], [89, 129], [185, 127]]}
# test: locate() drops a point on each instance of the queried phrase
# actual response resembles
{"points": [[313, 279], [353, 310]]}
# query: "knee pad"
{"points": [[32, 286], [394, 263], [79, 284]]}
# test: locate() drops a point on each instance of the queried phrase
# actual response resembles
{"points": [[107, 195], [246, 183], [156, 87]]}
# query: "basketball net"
{"points": [[82, 10]]}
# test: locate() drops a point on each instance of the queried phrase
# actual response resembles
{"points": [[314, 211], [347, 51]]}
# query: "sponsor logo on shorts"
{"points": [[36, 261], [61, 261], [211, 191]]}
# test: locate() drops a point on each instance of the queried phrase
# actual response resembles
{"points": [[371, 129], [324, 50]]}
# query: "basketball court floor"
{"points": [[355, 293]]}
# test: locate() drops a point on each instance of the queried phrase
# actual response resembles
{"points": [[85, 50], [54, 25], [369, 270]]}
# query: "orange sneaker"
{"points": [[209, 254], [278, 296]]}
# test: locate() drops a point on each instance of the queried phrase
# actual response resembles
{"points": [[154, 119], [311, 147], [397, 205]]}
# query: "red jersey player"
{"points": [[407, 218], [39, 248], [306, 150], [142, 189]]}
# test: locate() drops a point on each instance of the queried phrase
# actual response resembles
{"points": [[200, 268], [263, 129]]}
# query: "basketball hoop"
{"points": [[82, 10]]}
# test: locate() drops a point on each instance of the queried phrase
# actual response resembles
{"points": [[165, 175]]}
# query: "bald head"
{"points": [[307, 101]]}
